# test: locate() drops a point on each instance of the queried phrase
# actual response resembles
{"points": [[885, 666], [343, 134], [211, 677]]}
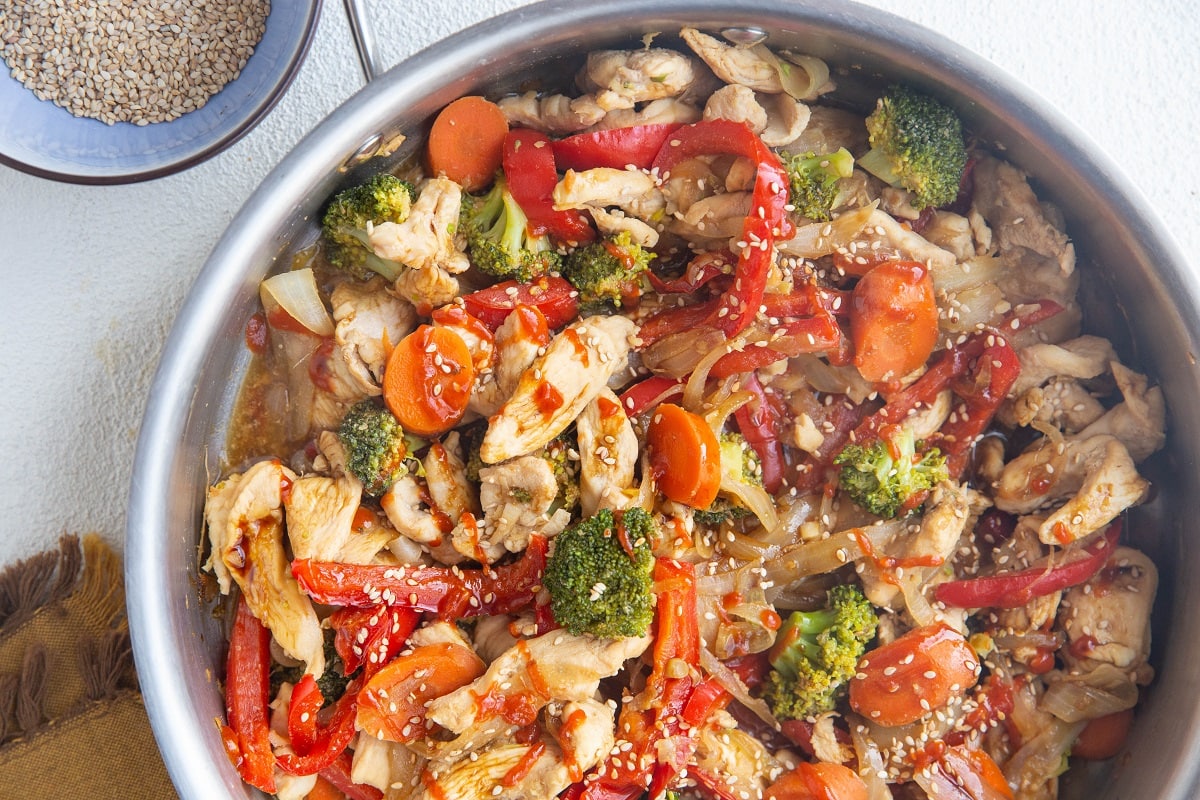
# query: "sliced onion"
{"points": [[818, 239], [693, 390], [804, 83], [1042, 757], [828, 554], [870, 764], [731, 683], [1098, 693], [826, 378], [296, 293], [755, 498], [959, 275], [676, 355]]}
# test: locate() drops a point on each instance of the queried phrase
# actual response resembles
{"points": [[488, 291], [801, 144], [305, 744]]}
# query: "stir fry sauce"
{"points": [[686, 435]]}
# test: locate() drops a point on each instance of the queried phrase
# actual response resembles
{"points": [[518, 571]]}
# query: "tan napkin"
{"points": [[72, 723]]}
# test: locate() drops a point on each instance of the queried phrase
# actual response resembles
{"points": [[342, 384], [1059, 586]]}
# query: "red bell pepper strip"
{"points": [[676, 319], [645, 394], [555, 297], [529, 166], [247, 695], [1015, 589], [338, 774], [617, 148], [451, 594], [371, 637], [794, 337], [767, 220], [677, 637], [702, 269], [317, 746], [981, 370], [759, 422]]}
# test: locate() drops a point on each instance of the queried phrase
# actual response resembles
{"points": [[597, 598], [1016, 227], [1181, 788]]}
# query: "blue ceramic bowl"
{"points": [[43, 139]]}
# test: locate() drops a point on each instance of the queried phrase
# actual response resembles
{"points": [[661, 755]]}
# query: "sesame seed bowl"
{"points": [[141, 90]]}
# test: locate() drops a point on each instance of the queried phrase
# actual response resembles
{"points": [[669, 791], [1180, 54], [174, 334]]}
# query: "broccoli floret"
{"points": [[813, 181], [607, 271], [383, 198], [599, 575], [498, 237], [916, 143], [566, 472], [890, 477], [817, 652], [740, 463], [376, 446]]}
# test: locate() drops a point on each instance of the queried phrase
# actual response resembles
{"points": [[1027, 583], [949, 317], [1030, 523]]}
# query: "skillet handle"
{"points": [[364, 38]]}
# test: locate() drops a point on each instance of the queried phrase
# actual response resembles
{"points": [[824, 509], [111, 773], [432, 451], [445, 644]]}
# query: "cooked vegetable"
{"points": [[720, 477], [917, 143], [739, 463], [813, 181], [376, 446], [427, 380], [381, 198], [816, 653], [499, 240], [608, 272], [466, 141], [888, 476], [598, 576], [893, 320], [685, 456], [914, 675]]}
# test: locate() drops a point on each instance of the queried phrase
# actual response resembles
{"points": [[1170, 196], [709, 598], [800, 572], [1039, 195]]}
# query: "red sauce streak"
{"points": [[1083, 646], [471, 528], [431, 784], [1061, 533], [281, 320], [527, 735], [929, 755], [1042, 661], [285, 487], [608, 409], [319, 370], [581, 350], [257, 333], [566, 736], [533, 672], [523, 767], [444, 523], [531, 325], [770, 619], [887, 565], [547, 398], [364, 519]]}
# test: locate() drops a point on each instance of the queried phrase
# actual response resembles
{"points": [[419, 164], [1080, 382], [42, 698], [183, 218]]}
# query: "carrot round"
{"points": [[893, 320], [685, 456], [466, 142], [427, 380], [819, 781]]}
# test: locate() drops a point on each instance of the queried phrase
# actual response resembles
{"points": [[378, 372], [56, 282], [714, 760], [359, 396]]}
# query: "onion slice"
{"points": [[296, 293]]}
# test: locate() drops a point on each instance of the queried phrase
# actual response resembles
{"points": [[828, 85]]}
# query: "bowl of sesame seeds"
{"points": [[107, 93]]}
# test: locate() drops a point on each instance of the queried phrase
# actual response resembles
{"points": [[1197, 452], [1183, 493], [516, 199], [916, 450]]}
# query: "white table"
{"points": [[92, 276]]}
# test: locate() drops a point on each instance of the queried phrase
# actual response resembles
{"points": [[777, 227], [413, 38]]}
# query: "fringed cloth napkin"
{"points": [[72, 723]]}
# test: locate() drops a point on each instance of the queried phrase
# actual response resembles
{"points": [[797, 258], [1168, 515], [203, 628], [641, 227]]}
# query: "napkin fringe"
{"points": [[106, 664], [37, 581]]}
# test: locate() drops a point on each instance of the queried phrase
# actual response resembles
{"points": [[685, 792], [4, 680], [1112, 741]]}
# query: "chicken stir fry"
{"points": [[696, 438]]}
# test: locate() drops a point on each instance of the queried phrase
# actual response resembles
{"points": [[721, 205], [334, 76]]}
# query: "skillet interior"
{"points": [[1135, 274]]}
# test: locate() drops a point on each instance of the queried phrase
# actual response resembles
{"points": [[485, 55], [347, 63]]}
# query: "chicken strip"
{"points": [[368, 319], [554, 114], [576, 366], [245, 525], [1107, 619], [633, 191], [624, 78], [739, 65], [608, 454]]}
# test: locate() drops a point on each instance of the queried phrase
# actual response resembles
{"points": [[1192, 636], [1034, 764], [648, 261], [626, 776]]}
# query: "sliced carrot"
{"points": [[685, 456], [392, 704], [819, 781], [466, 142], [913, 675], [893, 320], [1103, 737], [427, 380]]}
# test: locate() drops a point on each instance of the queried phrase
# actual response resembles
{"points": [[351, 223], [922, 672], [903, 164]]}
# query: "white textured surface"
{"points": [[92, 277]]}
